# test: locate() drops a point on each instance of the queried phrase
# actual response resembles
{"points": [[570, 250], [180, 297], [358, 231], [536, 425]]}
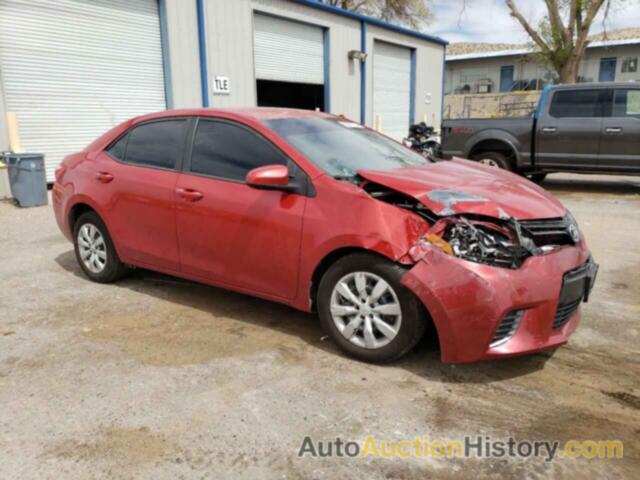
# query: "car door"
{"points": [[620, 145], [568, 132], [229, 233], [137, 175]]}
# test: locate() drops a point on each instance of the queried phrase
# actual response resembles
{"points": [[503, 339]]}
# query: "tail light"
{"points": [[60, 172]]}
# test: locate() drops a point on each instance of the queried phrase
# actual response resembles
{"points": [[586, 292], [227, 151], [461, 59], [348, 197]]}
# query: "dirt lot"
{"points": [[155, 377]]}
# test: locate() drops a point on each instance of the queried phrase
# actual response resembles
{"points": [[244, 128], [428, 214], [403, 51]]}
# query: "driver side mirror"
{"points": [[269, 177]]}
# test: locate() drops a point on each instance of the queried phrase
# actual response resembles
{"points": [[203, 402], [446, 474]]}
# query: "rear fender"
{"points": [[497, 135]]}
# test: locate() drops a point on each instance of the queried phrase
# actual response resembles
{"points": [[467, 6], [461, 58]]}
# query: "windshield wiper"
{"points": [[355, 178], [344, 177]]}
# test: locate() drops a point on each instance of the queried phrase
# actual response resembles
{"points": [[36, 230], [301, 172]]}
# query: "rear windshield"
{"points": [[341, 148]]}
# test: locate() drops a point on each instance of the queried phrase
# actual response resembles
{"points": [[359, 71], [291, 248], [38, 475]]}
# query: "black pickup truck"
{"points": [[582, 128]]}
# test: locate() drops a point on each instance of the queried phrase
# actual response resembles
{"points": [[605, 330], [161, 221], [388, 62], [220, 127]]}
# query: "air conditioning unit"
{"points": [[483, 86]]}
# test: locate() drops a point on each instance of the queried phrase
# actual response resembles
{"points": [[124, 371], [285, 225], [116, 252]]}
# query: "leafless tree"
{"points": [[563, 34]]}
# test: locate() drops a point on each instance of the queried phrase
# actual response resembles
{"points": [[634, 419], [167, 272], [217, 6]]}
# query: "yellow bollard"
{"points": [[14, 133]]}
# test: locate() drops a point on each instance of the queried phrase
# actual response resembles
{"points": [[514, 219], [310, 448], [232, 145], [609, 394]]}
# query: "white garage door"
{"points": [[288, 51], [72, 69], [392, 88]]}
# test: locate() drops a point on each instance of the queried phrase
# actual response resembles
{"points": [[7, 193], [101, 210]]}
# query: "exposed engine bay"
{"points": [[503, 242]]}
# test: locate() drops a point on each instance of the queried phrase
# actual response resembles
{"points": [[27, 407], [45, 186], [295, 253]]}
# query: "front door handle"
{"points": [[189, 194], [104, 177], [613, 130], [549, 129]]}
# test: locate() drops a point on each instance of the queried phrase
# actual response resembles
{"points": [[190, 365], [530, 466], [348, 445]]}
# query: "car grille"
{"points": [[564, 313], [551, 231], [507, 328]]}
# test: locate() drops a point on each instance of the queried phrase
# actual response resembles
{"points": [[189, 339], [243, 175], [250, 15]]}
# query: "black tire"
{"points": [[414, 318], [500, 159], [113, 269], [537, 177]]}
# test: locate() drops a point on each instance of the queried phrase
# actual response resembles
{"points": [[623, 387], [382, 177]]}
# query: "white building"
{"points": [[72, 69], [491, 68]]}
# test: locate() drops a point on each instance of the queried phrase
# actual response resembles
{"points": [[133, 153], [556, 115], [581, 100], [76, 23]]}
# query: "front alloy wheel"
{"points": [[366, 309]]}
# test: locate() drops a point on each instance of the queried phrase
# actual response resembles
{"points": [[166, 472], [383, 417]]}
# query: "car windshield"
{"points": [[341, 147]]}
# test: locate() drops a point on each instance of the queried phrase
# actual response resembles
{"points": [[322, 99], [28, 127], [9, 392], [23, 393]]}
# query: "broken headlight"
{"points": [[573, 228], [482, 242]]}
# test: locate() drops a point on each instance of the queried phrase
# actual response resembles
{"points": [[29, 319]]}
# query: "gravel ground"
{"points": [[155, 377]]}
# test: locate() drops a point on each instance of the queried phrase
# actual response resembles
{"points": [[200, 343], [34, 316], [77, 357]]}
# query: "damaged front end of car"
{"points": [[483, 258], [501, 241], [482, 240]]}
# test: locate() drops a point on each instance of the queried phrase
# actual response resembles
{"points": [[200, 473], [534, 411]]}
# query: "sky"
{"points": [[489, 20]]}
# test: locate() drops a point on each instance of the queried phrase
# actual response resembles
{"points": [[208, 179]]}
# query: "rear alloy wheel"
{"points": [[494, 159], [94, 250], [366, 309]]}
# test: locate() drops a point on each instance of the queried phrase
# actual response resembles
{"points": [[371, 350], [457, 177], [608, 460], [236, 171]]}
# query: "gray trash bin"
{"points": [[27, 178]]}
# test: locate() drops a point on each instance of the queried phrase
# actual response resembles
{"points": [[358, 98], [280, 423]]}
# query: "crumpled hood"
{"points": [[463, 186]]}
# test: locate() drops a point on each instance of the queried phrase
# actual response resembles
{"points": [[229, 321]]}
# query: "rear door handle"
{"points": [[189, 195], [104, 177], [613, 130], [549, 129]]}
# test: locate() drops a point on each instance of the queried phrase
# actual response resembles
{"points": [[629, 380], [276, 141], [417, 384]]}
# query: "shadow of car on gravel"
{"points": [[423, 361]]}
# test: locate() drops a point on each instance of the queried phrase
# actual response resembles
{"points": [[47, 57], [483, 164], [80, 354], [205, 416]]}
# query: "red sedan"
{"points": [[320, 213]]}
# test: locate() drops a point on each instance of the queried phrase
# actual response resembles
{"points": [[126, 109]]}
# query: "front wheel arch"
{"points": [[324, 265]]}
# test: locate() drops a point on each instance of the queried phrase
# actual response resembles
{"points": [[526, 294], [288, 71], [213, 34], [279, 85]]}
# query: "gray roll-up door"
{"points": [[392, 88], [72, 69], [288, 51]]}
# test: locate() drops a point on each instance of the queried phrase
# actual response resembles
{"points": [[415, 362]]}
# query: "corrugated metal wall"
{"points": [[74, 69], [287, 51], [230, 52], [429, 69], [392, 88]]}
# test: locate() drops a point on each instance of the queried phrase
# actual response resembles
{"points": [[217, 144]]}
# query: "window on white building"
{"points": [[630, 65]]}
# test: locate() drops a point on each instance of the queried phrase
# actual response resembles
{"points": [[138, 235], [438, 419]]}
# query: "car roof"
{"points": [[578, 86], [247, 113]]}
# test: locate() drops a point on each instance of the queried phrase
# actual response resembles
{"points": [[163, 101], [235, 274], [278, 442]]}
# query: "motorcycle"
{"points": [[423, 139]]}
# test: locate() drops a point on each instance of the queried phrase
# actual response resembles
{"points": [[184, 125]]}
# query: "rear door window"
{"points": [[626, 103], [156, 144], [227, 150], [576, 104], [117, 149]]}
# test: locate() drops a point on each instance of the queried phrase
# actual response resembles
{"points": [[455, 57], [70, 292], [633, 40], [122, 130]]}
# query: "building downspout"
{"points": [[202, 44], [444, 75], [363, 73]]}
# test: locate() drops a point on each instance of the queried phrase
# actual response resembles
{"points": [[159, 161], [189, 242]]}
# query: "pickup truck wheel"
{"points": [[537, 177], [494, 159]]}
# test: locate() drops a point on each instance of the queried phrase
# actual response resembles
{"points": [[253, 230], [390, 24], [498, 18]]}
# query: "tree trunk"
{"points": [[568, 73]]}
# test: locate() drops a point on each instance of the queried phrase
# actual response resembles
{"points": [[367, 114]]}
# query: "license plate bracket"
{"points": [[577, 284]]}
